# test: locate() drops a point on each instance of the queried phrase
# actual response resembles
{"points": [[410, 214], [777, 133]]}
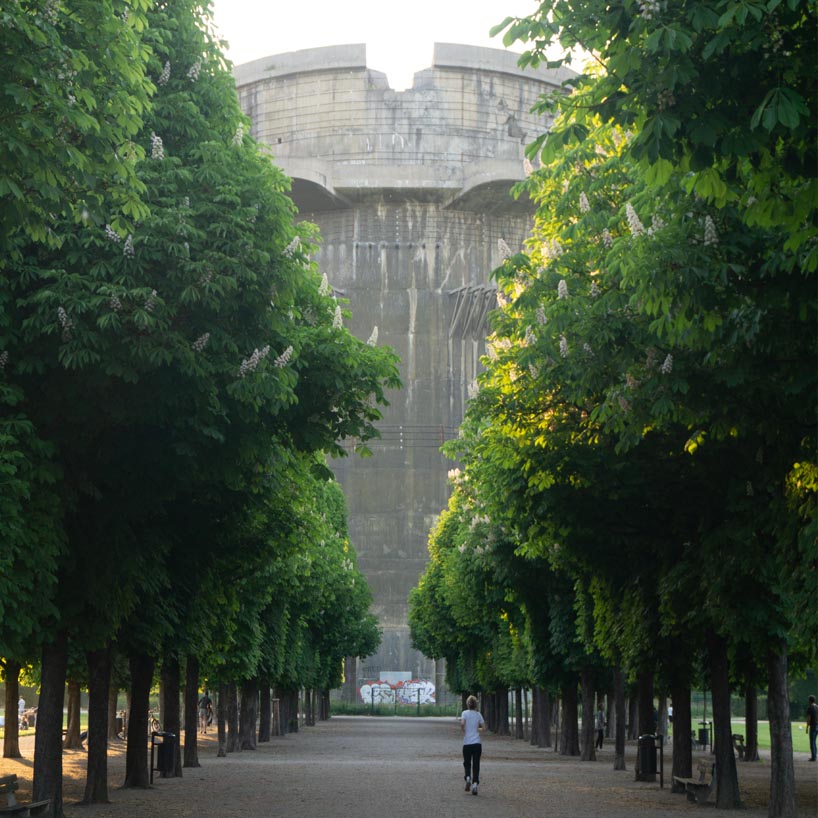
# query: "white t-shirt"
{"points": [[472, 721]]}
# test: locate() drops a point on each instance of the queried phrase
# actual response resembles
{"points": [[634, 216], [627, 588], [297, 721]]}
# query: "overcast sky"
{"points": [[398, 36]]}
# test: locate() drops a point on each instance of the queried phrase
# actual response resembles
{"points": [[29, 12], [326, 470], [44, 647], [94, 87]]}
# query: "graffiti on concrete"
{"points": [[411, 691]]}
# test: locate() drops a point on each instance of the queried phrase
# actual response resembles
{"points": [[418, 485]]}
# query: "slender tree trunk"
{"points": [[644, 684], [11, 732], [782, 779], [99, 682], [221, 720], [633, 718], [48, 738], [588, 732], [619, 709], [232, 706], [249, 714], [265, 712], [326, 706], [727, 791], [171, 709], [72, 740], [502, 713], [191, 756], [309, 720], [519, 731], [113, 696], [682, 727], [751, 723], [136, 754], [543, 718], [569, 734], [283, 711]]}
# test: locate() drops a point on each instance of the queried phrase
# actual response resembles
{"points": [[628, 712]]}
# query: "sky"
{"points": [[399, 37]]}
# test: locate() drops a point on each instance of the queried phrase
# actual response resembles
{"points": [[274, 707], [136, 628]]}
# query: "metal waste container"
{"points": [[165, 745], [647, 755]]}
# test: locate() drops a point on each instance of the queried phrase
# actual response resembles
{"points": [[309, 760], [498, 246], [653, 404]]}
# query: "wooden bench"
{"points": [[738, 745], [699, 789], [8, 786]]}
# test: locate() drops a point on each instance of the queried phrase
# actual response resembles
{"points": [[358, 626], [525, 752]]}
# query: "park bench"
{"points": [[699, 789], [8, 786], [738, 745]]}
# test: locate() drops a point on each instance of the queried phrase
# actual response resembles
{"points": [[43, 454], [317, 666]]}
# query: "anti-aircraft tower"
{"points": [[410, 191]]}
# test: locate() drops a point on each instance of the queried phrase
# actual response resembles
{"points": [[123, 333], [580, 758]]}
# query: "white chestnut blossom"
{"points": [[127, 248], [562, 289], [249, 364], [165, 75], [193, 71], [283, 359], [4, 358], [667, 365], [157, 148], [65, 322], [635, 225], [584, 204], [607, 240], [563, 346], [201, 342], [505, 250], [115, 303], [373, 338], [150, 303], [594, 289], [541, 317], [324, 289], [112, 235], [294, 245], [528, 168], [711, 237], [530, 336], [337, 318], [552, 249], [238, 136]]}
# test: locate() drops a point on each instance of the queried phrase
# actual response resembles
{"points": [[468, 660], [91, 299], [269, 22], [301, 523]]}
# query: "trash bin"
{"points": [[647, 755], [165, 752], [703, 736]]}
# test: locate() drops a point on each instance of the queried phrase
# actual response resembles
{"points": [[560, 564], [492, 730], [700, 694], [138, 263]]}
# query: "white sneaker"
{"points": [[468, 783], [474, 789]]}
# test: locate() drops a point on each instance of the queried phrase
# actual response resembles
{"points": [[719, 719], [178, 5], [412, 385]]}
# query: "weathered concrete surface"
{"points": [[411, 193]]}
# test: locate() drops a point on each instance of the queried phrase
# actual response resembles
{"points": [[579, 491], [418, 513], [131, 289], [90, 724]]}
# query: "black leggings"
{"points": [[471, 761]]}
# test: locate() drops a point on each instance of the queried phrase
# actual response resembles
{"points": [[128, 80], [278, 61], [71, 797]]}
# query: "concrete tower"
{"points": [[411, 193]]}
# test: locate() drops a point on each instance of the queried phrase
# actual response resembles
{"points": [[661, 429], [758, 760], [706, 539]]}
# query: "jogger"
{"points": [[471, 723]]}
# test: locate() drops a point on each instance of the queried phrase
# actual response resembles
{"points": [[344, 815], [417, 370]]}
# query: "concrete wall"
{"points": [[410, 191]]}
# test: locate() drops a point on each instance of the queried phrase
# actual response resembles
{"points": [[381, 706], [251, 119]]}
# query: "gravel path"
{"points": [[397, 768]]}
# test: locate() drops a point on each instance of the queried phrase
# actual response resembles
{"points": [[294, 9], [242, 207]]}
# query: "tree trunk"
{"points": [[232, 707], [11, 732], [620, 718], [644, 686], [136, 754], [502, 713], [782, 779], [48, 738], [170, 707], [72, 740], [633, 718], [588, 731], [519, 730], [682, 727], [727, 791], [751, 723], [265, 712], [221, 720], [543, 717], [326, 707], [569, 735], [283, 710], [113, 696], [309, 719], [99, 682], [249, 714], [661, 727], [191, 756]]}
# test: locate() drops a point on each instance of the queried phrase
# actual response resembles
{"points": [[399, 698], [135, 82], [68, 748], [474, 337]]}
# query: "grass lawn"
{"points": [[800, 738]]}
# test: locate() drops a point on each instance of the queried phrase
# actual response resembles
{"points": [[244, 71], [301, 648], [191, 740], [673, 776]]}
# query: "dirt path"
{"points": [[398, 768]]}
